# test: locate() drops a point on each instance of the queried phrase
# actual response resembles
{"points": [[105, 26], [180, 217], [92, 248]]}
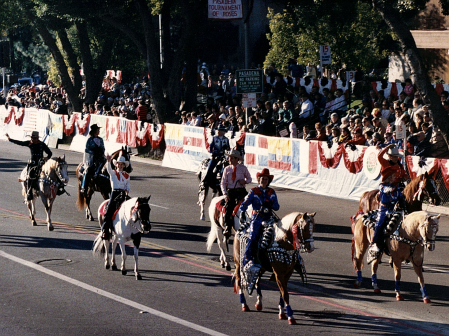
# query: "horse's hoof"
{"points": [[222, 266], [258, 306], [245, 308], [50, 228], [92, 219], [138, 277], [107, 266], [426, 300], [124, 272], [399, 298], [377, 290], [282, 316], [34, 223], [357, 284], [203, 218], [114, 268], [292, 321]]}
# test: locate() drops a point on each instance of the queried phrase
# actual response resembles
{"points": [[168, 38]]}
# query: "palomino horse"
{"points": [[217, 226], [417, 231], [212, 182], [100, 183], [52, 179], [130, 222], [420, 187], [292, 233]]}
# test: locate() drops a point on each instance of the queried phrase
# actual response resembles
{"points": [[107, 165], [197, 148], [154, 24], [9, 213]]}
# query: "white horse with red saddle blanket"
{"points": [[130, 222]]}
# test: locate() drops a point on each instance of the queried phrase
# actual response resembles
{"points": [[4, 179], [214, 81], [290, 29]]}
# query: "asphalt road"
{"points": [[52, 285]]}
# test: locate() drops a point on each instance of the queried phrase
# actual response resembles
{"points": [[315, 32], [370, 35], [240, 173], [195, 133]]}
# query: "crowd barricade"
{"points": [[116, 132]]}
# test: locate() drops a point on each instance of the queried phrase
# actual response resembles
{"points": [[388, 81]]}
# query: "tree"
{"points": [[356, 33]]}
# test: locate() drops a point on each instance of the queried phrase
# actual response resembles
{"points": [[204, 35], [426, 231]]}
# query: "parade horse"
{"points": [[418, 230], [217, 225], [130, 222], [415, 192], [52, 179], [292, 233], [212, 182], [100, 183]]}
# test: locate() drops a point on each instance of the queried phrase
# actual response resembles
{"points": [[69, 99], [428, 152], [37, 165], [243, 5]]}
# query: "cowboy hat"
{"points": [[34, 134], [265, 172], [234, 153], [94, 127], [394, 152], [222, 128], [122, 160]]}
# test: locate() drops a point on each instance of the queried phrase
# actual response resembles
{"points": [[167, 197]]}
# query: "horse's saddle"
{"points": [[222, 206], [393, 219]]}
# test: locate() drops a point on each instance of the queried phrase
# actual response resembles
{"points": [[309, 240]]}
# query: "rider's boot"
{"points": [[105, 229]]}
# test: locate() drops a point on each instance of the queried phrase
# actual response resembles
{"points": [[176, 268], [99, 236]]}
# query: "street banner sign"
{"points": [[325, 54], [249, 81], [225, 9]]}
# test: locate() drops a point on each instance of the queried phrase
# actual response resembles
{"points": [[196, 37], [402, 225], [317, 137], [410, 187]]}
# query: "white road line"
{"points": [[159, 206], [112, 296]]}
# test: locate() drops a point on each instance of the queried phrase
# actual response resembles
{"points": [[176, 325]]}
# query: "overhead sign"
{"points": [[325, 54], [225, 9], [249, 81]]}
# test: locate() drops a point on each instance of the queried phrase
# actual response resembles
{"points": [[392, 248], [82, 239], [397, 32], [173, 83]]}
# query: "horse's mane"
{"points": [[50, 165], [285, 225], [412, 187]]}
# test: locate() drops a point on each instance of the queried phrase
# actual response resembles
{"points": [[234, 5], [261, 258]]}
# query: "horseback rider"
{"points": [[263, 199], [120, 190], [37, 160], [93, 156], [235, 176], [390, 193], [217, 148]]}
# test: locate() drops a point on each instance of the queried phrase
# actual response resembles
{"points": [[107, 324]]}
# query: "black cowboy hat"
{"points": [[94, 127]]}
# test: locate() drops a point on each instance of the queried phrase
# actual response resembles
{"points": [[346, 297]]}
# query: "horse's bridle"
{"points": [[422, 190], [136, 216], [429, 243], [303, 241]]}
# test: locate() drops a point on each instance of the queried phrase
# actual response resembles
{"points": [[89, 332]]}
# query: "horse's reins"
{"points": [[59, 177], [133, 222]]}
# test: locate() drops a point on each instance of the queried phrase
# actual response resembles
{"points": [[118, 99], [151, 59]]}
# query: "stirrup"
{"points": [[251, 273]]}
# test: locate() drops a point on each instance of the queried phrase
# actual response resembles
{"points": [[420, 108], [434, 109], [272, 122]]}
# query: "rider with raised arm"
{"points": [[390, 191], [120, 189], [93, 156], [220, 143], [263, 199], [235, 177], [34, 165]]}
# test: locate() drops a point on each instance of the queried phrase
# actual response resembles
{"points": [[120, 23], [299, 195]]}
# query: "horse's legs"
{"points": [[136, 242], [88, 197], [48, 204], [419, 273], [282, 280], [114, 249], [259, 295], [238, 283], [32, 211], [202, 195], [374, 267], [282, 315], [361, 244], [122, 248], [397, 278], [106, 254], [221, 245]]}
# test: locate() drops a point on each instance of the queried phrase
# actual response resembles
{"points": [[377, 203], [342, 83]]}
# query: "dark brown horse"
{"points": [[415, 192], [292, 233], [100, 183]]}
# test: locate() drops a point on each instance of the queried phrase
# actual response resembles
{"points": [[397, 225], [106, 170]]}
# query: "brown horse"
{"points": [[101, 183], [420, 187], [292, 233], [417, 231]]}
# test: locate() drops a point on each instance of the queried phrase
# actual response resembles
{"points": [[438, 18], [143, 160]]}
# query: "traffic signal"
{"points": [[5, 58]]}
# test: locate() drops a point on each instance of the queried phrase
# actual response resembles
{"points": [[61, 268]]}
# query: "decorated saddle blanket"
{"points": [[104, 207], [221, 206]]}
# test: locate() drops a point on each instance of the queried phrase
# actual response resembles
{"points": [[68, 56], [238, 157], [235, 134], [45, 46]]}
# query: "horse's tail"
{"points": [[98, 248], [214, 225], [81, 200]]}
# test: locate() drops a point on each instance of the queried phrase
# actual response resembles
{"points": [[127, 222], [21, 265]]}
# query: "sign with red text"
{"points": [[249, 100], [350, 76], [225, 9], [325, 54]]}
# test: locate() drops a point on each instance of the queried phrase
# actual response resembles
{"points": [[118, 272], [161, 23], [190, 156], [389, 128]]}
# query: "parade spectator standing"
{"points": [[142, 111], [306, 109]]}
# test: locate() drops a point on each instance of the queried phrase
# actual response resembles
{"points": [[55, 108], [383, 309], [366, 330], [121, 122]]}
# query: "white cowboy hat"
{"points": [[122, 160], [394, 152], [235, 153]]}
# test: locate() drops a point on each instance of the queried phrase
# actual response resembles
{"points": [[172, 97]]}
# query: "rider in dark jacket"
{"points": [[37, 149], [220, 144], [93, 156]]}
